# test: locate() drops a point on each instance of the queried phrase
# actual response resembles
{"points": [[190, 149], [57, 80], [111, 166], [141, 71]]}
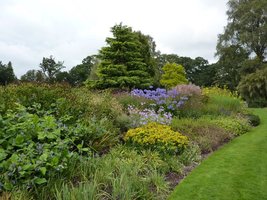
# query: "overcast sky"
{"points": [[70, 30]]}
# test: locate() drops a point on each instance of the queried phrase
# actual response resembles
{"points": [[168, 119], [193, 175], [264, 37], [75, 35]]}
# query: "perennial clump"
{"points": [[169, 100], [157, 137]]}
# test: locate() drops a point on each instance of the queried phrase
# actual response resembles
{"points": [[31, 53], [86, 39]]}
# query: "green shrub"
{"points": [[28, 93], [157, 137], [222, 102], [253, 88], [235, 125], [60, 100], [254, 120], [173, 74], [202, 132], [32, 148], [35, 148]]}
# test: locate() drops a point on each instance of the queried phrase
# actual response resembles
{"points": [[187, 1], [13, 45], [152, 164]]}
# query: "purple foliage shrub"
{"points": [[188, 90]]}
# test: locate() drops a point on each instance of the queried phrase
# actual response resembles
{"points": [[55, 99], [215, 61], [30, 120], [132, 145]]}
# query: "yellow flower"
{"points": [[157, 136]]}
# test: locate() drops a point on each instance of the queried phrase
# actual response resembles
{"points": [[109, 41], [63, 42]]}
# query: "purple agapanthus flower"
{"points": [[169, 99]]}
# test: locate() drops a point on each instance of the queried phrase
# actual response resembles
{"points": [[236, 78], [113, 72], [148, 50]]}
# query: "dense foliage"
{"points": [[123, 61], [50, 68], [157, 137], [246, 26], [173, 75], [6, 73], [34, 147], [61, 142], [253, 88]]}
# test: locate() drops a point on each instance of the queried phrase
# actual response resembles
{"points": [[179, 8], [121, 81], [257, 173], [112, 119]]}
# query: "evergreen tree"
{"points": [[122, 63], [6, 74]]}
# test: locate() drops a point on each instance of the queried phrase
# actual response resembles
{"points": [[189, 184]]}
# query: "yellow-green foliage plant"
{"points": [[235, 125], [223, 102], [220, 91], [173, 75], [157, 137]]}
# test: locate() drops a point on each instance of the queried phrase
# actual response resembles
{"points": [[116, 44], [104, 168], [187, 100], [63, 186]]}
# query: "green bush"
{"points": [[208, 136], [157, 137], [235, 125], [35, 148], [28, 93], [173, 75], [61, 100], [32, 148], [254, 120], [253, 88], [222, 102]]}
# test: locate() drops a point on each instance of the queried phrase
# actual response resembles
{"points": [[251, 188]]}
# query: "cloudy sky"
{"points": [[70, 30]]}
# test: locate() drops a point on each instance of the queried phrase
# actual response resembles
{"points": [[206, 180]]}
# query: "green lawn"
{"points": [[238, 171]]}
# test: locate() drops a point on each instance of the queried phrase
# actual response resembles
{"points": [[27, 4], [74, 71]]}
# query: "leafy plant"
{"points": [[253, 88], [34, 148], [157, 137], [207, 135], [222, 102], [123, 173], [253, 120], [235, 125], [173, 74], [31, 148]]}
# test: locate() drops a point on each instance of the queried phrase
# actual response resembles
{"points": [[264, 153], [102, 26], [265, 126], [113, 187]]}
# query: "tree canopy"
{"points": [[33, 76], [126, 60], [246, 27], [80, 73], [6, 73], [50, 68], [173, 74]]}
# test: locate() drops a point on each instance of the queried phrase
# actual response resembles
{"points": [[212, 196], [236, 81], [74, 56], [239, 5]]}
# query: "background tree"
{"points": [[81, 72], [253, 88], [173, 74], [122, 63], [6, 73], [246, 27], [50, 68], [63, 77], [242, 49], [195, 68], [33, 76], [230, 66], [207, 76]]}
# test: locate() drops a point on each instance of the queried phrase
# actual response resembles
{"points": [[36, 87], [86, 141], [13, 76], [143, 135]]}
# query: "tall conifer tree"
{"points": [[122, 63]]}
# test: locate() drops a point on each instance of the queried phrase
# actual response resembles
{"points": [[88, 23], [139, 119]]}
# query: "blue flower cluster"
{"points": [[171, 100]]}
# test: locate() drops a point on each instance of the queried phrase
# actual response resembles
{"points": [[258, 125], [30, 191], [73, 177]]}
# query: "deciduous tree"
{"points": [[50, 68], [247, 27], [173, 74]]}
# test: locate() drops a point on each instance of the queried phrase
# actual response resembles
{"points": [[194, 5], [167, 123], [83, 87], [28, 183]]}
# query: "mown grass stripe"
{"points": [[238, 171]]}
